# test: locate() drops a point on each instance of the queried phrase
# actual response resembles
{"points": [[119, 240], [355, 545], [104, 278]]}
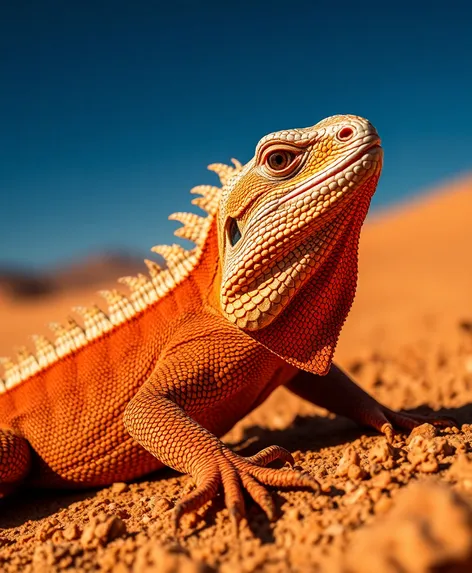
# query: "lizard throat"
{"points": [[305, 332], [259, 303]]}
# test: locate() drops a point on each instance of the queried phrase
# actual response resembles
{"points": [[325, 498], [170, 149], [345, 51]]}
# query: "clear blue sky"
{"points": [[110, 110]]}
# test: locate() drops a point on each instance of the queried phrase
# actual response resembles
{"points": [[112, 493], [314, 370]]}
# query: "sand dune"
{"points": [[415, 264], [408, 341]]}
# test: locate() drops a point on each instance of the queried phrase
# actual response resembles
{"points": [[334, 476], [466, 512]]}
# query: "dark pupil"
{"points": [[234, 234], [279, 159]]}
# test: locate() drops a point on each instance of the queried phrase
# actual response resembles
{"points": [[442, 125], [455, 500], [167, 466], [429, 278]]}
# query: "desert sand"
{"points": [[401, 507]]}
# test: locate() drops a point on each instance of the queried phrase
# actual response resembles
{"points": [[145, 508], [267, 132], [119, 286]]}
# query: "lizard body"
{"points": [[195, 346]]}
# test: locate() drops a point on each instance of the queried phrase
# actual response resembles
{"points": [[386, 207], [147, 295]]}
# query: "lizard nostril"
{"points": [[345, 133]]}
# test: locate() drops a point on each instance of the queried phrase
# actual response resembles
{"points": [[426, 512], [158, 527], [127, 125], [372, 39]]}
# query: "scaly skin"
{"points": [[257, 304]]}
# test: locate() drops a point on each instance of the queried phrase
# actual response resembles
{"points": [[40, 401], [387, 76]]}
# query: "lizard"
{"points": [[200, 341]]}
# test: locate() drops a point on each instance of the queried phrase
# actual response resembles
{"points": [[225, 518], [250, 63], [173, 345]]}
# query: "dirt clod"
{"points": [[413, 538], [101, 530]]}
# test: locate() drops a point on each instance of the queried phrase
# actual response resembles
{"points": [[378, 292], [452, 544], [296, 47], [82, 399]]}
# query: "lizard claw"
{"points": [[385, 420], [236, 473]]}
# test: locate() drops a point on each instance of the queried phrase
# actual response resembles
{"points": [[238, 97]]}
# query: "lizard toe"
{"points": [[255, 478], [234, 499], [268, 455], [236, 474], [259, 494], [285, 478], [206, 490], [404, 421]]}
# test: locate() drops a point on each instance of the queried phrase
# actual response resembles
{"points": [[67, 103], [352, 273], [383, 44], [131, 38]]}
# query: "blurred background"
{"points": [[110, 110]]}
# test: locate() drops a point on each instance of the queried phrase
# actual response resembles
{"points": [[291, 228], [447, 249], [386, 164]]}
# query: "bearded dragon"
{"points": [[259, 302]]}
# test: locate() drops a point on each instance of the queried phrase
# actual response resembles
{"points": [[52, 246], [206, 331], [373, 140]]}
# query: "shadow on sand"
{"points": [[306, 433]]}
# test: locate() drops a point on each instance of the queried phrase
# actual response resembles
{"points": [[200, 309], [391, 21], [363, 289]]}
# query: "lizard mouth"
{"points": [[361, 152], [357, 154]]}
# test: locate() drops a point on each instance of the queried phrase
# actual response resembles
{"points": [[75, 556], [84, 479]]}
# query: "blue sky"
{"points": [[110, 110]]}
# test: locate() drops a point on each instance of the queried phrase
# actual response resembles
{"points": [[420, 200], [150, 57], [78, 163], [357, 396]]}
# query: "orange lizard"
{"points": [[196, 345]]}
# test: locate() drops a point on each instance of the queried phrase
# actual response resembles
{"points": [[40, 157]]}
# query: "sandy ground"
{"points": [[405, 507]]}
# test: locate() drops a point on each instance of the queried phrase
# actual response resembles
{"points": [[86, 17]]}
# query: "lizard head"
{"points": [[288, 228]]}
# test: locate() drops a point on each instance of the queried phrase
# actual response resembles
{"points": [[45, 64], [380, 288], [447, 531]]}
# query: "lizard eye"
{"points": [[280, 160], [234, 233]]}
